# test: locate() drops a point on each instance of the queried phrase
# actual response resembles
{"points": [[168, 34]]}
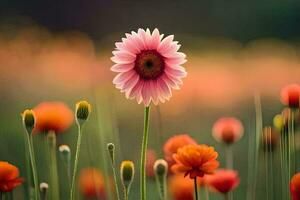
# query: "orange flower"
{"points": [[173, 144], [181, 188], [295, 187], [54, 116], [91, 183], [290, 95], [9, 177], [151, 158], [228, 130], [195, 160], [223, 180]]}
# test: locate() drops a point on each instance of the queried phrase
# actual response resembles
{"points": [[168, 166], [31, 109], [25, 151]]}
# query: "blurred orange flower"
{"points": [[91, 183], [151, 158], [173, 144], [195, 160], [228, 130], [223, 180], [295, 187], [181, 188], [290, 95], [53, 116], [9, 177]]}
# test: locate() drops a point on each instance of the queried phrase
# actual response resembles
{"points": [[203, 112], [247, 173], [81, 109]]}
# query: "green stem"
{"points": [[72, 192], [125, 194], [229, 157], [115, 180], [196, 189], [143, 154], [54, 183], [33, 165]]}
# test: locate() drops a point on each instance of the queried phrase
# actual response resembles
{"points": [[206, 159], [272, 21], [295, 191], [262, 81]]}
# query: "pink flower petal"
{"points": [[146, 93], [122, 67], [123, 77], [165, 43]]}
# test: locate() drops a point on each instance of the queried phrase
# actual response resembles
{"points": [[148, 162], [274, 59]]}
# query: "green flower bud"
{"points": [[278, 122], [127, 173], [161, 170], [83, 110], [65, 152], [111, 151], [28, 118], [160, 167]]}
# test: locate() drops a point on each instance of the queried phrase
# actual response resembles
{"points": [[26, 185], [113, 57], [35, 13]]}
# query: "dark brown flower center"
{"points": [[149, 64]]}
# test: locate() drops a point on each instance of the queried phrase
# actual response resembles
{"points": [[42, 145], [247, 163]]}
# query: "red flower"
{"points": [[53, 116], [9, 177], [295, 187], [223, 180], [290, 95], [228, 130], [91, 183], [174, 143], [195, 160]]}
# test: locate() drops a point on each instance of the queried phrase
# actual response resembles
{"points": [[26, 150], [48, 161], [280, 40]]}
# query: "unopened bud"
{"points": [[278, 122], [83, 110], [28, 118], [44, 188], [65, 151], [127, 173], [111, 151], [161, 170]]}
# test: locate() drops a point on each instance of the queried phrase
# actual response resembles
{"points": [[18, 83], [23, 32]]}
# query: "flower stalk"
{"points": [[28, 118], [83, 110], [54, 183], [111, 152], [143, 154], [196, 188]]}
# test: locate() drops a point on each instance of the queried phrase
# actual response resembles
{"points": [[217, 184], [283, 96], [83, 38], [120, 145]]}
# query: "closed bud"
{"points": [[28, 118], [111, 151], [44, 188], [65, 152], [278, 122], [161, 170], [127, 173], [83, 110], [160, 167]]}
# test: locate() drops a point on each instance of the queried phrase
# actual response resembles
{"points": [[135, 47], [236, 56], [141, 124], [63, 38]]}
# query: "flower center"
{"points": [[149, 64]]}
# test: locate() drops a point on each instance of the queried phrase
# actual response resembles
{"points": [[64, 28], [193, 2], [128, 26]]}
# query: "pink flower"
{"points": [[148, 66], [228, 130]]}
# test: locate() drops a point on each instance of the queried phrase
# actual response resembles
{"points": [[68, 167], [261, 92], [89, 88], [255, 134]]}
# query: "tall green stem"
{"points": [[115, 180], [143, 154], [72, 192], [33, 165], [196, 189], [54, 183], [229, 157]]}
